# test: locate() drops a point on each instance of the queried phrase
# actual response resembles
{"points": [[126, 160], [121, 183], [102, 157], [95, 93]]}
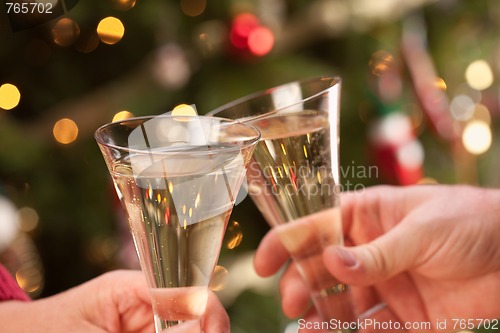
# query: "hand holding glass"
{"points": [[294, 173], [177, 178]]}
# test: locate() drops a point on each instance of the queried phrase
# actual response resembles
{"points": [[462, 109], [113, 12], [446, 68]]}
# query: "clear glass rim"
{"points": [[334, 79], [245, 143]]}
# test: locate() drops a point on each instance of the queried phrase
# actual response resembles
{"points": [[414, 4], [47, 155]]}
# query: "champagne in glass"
{"points": [[177, 178], [294, 177]]}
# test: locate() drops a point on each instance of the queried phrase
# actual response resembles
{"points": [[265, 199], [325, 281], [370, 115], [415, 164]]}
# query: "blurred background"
{"points": [[420, 104]]}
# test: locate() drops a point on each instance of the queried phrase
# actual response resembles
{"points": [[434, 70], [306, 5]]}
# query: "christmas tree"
{"points": [[419, 104]]}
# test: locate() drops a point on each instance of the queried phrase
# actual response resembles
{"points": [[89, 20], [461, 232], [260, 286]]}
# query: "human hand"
{"points": [[116, 302], [428, 252]]}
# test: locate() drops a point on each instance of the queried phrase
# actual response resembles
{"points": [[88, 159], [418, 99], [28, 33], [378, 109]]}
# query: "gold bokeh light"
{"points": [[9, 96], [122, 115], [123, 4], [110, 30], [218, 278], [184, 110], [65, 32], [234, 235], [65, 131], [481, 112], [28, 219], [193, 7]]}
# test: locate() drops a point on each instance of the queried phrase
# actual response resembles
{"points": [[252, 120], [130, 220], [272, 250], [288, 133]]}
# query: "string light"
{"points": [[477, 137], [110, 30], [479, 75], [9, 96], [122, 115], [65, 131]]}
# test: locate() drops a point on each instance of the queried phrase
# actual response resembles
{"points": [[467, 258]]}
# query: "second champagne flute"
{"points": [[294, 176]]}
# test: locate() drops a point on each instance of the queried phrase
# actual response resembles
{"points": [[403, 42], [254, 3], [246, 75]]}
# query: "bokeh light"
{"points": [[184, 110], [218, 278], [482, 113], [395, 129], [380, 61], [65, 131], [122, 115], [30, 278], [479, 75], [243, 25], [477, 137], [110, 30], [210, 36], [261, 41], [234, 235], [462, 107], [193, 7], [9, 96], [28, 219], [411, 154], [172, 68], [123, 4], [65, 32]]}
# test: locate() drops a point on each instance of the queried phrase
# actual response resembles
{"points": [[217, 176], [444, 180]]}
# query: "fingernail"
{"points": [[346, 256]]}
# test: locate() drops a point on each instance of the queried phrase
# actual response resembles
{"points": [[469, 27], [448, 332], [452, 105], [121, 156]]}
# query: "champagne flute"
{"points": [[177, 178], [294, 176]]}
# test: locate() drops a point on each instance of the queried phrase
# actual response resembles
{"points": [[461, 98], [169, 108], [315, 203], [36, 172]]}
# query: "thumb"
{"points": [[366, 264]]}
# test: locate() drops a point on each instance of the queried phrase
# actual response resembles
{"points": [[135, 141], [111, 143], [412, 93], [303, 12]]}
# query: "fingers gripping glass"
{"points": [[166, 170], [294, 176]]}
